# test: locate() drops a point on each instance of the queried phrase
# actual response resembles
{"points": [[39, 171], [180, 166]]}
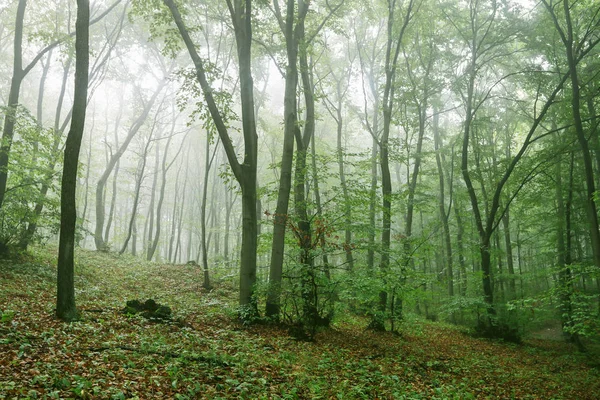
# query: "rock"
{"points": [[150, 309], [150, 305]]}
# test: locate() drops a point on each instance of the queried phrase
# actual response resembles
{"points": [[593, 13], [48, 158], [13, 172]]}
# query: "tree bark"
{"points": [[444, 215], [65, 302], [208, 160], [290, 31], [245, 173]]}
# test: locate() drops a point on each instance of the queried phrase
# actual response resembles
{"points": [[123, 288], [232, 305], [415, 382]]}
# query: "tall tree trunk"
{"points": [[86, 185], [565, 279], [444, 215], [347, 205], [208, 160], [13, 99], [132, 228], [245, 172], [19, 73], [393, 46], [113, 198], [289, 131], [151, 213], [373, 198], [133, 130], [304, 229], [65, 301], [161, 197]]}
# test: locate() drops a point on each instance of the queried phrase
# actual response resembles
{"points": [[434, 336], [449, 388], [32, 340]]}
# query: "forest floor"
{"points": [[207, 354]]}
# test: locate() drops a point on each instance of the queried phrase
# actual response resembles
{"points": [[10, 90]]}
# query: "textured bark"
{"points": [[65, 302]]}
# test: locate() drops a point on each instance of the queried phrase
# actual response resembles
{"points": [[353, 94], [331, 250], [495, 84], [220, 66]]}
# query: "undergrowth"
{"points": [[204, 353]]}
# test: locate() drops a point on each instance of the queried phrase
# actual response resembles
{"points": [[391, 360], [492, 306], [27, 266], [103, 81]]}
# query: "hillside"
{"points": [[205, 353]]}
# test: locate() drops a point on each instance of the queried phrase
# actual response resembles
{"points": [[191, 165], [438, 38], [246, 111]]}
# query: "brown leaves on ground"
{"points": [[205, 353]]}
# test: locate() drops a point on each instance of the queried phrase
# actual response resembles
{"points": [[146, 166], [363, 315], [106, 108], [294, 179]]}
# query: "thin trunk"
{"points": [[319, 206], [444, 215], [174, 216], [87, 184], [113, 198], [46, 183], [161, 197], [285, 181], [373, 199], [564, 272], [133, 130], [65, 302], [138, 185], [13, 99], [150, 218], [304, 229], [208, 160], [344, 184], [245, 172]]}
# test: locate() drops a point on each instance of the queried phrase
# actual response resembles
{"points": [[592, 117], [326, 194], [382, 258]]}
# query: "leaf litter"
{"points": [[206, 354]]}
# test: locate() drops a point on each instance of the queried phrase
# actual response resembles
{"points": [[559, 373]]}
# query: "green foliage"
{"points": [[211, 355], [33, 157]]}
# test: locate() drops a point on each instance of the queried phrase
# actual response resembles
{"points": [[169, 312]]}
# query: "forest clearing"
{"points": [[206, 353]]}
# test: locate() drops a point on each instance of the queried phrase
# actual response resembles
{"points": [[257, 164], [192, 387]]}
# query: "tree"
{"points": [[133, 130], [392, 53], [292, 27], [576, 44], [65, 299], [245, 172], [19, 74]]}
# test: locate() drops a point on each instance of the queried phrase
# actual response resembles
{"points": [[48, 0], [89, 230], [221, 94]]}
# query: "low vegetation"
{"points": [[202, 351]]}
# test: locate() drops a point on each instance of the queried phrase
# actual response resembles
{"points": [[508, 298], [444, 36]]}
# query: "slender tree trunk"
{"points": [[151, 214], [565, 279], [344, 184], [41, 91], [208, 160], [245, 172], [113, 198], [39, 206], [304, 229], [373, 199], [161, 197], [13, 99], [138, 185], [65, 302], [133, 130], [87, 185], [444, 215], [285, 181]]}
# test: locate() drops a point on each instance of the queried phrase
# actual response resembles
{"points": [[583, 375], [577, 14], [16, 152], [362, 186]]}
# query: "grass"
{"points": [[207, 354]]}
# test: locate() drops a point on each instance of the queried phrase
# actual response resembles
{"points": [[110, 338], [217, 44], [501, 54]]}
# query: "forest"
{"points": [[299, 199]]}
